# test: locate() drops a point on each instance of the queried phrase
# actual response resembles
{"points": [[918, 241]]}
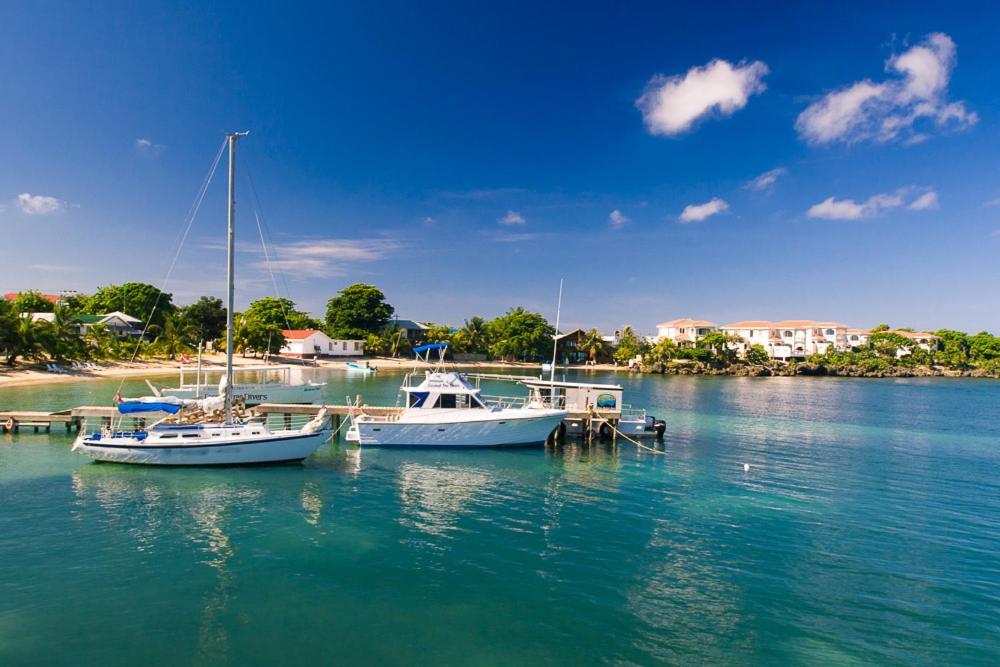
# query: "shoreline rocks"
{"points": [[811, 370]]}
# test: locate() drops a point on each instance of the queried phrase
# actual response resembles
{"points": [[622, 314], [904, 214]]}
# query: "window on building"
{"points": [[830, 332], [357, 345], [329, 346], [787, 334], [681, 330]]}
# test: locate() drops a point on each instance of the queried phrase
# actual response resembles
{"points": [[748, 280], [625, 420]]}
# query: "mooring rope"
{"points": [[634, 442]]}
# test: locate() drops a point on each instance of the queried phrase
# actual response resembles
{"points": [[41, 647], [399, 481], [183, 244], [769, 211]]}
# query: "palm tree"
{"points": [[23, 341], [474, 334], [60, 337], [174, 337], [592, 344]]}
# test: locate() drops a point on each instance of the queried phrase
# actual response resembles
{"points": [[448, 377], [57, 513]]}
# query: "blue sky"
{"points": [[465, 158]]}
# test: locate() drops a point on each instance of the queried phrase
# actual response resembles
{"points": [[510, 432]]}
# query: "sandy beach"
{"points": [[36, 374]]}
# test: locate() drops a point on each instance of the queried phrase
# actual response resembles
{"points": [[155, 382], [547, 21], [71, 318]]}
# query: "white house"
{"points": [[311, 343], [790, 338], [684, 331], [858, 337], [922, 339]]}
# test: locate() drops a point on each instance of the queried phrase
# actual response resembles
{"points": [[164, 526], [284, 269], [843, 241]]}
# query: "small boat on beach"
{"points": [[358, 368], [443, 409], [214, 436]]}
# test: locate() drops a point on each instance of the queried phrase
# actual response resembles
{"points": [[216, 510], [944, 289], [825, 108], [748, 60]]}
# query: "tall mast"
{"points": [[231, 273], [555, 339]]}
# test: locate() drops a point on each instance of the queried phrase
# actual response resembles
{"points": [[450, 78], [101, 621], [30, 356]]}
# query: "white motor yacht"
{"points": [[444, 410]]}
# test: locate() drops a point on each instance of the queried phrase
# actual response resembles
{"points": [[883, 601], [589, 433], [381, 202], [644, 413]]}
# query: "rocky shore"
{"points": [[810, 369]]}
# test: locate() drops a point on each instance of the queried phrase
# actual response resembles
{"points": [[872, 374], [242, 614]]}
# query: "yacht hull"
{"points": [[509, 432], [276, 449]]}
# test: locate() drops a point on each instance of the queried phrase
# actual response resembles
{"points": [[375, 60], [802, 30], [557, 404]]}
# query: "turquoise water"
{"points": [[867, 530]]}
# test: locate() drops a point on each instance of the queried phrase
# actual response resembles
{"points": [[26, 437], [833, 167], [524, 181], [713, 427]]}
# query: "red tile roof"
{"points": [[299, 334], [53, 298], [686, 322]]}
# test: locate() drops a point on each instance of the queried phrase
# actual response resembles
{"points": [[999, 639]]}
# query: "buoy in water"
{"points": [[746, 467]]}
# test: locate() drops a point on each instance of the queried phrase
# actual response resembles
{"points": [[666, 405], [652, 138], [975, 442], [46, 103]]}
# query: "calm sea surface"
{"points": [[867, 530]]}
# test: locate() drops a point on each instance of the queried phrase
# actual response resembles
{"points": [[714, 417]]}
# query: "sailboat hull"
{"points": [[228, 452]]}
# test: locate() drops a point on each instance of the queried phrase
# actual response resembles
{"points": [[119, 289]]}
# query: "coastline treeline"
{"points": [[360, 311]]}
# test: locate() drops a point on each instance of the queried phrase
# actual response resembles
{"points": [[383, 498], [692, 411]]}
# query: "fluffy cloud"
{"points": [[891, 109], [767, 179], [848, 209], [671, 105], [617, 218], [925, 201], [323, 258], [39, 204], [512, 218], [699, 212]]}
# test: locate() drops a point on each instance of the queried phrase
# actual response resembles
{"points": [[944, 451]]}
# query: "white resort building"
{"points": [[684, 331], [790, 339], [312, 343]]}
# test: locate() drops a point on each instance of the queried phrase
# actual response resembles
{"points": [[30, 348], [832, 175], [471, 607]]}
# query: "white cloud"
{"points": [[321, 258], [617, 218], [699, 212], [512, 218], [515, 238], [671, 105], [149, 147], [767, 179], [39, 204], [925, 201], [848, 209], [889, 110]]}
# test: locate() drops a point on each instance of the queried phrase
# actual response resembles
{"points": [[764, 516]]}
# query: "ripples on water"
{"points": [[865, 530]]}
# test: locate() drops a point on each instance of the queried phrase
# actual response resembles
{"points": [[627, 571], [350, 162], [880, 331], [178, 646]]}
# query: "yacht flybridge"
{"points": [[214, 437], [444, 410]]}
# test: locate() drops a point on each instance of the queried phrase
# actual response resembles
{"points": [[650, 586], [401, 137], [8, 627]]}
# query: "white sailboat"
{"points": [[444, 410], [225, 442]]}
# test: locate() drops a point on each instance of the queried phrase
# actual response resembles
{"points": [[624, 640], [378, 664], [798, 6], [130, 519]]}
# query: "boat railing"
{"points": [[510, 402], [632, 413]]}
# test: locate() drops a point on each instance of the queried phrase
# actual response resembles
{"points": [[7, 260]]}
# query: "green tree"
{"points": [[60, 338], [252, 335], [206, 319], [376, 345], [472, 337], [593, 345], [888, 344], [176, 337], [23, 341], [520, 334], [722, 346], [757, 355], [139, 300], [357, 311], [662, 352], [32, 301], [630, 345], [281, 313], [880, 327], [399, 344]]}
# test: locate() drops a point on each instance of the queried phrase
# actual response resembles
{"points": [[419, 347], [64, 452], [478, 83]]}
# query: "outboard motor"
{"points": [[660, 426]]}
